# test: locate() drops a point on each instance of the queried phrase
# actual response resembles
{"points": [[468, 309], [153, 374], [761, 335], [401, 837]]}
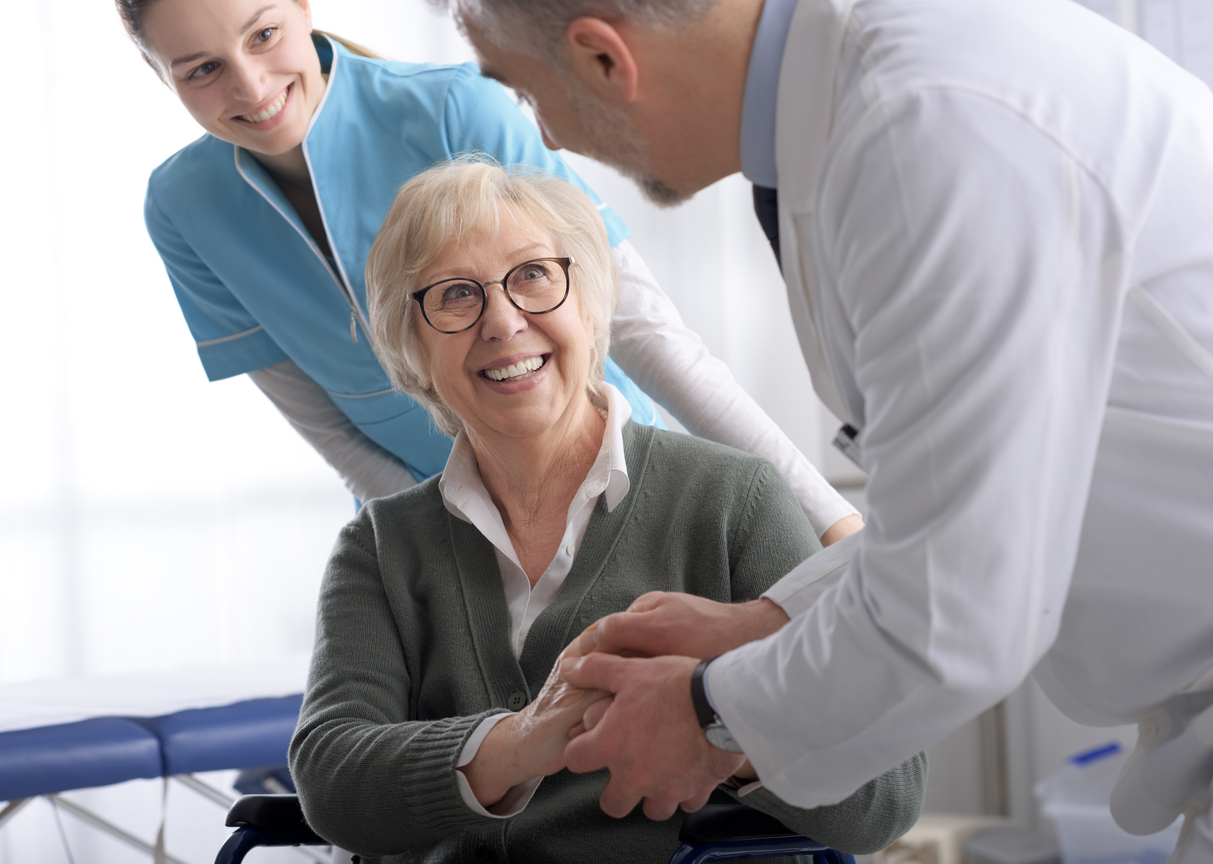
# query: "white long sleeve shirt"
{"points": [[997, 229], [464, 495], [649, 341]]}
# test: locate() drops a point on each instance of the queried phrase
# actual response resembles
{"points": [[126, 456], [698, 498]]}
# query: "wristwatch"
{"points": [[713, 727]]}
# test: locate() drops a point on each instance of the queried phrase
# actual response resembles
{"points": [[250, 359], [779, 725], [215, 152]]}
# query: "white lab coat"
{"points": [[996, 220]]}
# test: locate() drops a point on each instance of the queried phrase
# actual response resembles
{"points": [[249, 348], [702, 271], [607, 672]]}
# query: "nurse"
{"points": [[265, 223]]}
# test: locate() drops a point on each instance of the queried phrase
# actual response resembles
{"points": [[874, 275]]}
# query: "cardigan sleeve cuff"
{"points": [[432, 785], [515, 799]]}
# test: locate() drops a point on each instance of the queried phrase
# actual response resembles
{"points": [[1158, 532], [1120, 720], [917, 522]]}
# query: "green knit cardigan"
{"points": [[412, 652]]}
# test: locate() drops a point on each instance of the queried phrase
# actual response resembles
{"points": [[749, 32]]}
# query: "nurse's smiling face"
{"points": [[551, 352], [246, 70]]}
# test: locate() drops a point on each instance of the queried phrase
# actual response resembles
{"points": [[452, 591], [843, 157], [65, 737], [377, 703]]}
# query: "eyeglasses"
{"points": [[535, 287]]}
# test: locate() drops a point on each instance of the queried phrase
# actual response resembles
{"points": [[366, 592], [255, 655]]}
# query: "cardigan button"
{"points": [[516, 701], [485, 855]]}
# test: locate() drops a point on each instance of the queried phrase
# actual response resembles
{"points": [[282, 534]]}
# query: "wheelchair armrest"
{"points": [[266, 820], [272, 813], [716, 823]]}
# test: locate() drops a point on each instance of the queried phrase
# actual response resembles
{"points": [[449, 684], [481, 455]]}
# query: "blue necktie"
{"points": [[766, 206]]}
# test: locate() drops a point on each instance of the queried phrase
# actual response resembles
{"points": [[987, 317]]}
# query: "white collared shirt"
{"points": [[465, 496]]}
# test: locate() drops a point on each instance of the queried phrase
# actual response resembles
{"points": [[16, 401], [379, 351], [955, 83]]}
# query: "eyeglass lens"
{"points": [[535, 287]]}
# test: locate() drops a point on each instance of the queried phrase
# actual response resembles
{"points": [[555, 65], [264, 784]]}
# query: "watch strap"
{"points": [[699, 697]]}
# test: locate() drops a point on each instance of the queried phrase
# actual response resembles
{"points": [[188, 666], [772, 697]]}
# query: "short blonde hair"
{"points": [[442, 205]]}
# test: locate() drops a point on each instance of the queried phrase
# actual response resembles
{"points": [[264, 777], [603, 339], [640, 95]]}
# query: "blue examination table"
{"points": [[46, 760]]}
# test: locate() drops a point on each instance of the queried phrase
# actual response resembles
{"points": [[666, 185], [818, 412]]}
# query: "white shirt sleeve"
{"points": [[367, 470], [671, 364], [970, 285], [515, 800]]}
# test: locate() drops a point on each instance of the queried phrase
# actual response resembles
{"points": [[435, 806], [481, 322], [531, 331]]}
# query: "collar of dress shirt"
{"points": [[761, 89], [464, 493]]}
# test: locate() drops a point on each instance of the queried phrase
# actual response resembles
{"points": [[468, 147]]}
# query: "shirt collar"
{"points": [[465, 496], [609, 470], [761, 90]]}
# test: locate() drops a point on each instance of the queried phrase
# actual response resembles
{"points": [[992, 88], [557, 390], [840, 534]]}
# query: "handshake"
{"points": [[619, 697]]}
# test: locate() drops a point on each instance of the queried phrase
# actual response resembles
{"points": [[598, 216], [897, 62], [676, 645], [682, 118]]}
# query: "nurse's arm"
{"points": [[367, 470], [671, 364]]}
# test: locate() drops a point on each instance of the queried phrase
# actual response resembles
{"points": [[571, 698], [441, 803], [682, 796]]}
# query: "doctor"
{"points": [[994, 220], [265, 223]]}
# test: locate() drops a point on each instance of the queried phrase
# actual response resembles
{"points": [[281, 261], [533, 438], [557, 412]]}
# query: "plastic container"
{"points": [[1076, 800]]}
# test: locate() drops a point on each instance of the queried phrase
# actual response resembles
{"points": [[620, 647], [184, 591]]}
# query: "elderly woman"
{"points": [[433, 728]]}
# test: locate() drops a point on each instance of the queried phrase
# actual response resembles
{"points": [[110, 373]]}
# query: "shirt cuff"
{"points": [[515, 800], [742, 787], [799, 590]]}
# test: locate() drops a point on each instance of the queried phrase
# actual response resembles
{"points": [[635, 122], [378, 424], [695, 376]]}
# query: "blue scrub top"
{"points": [[254, 287]]}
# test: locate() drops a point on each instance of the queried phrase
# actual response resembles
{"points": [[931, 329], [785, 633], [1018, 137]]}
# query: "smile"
{"points": [[516, 371], [270, 111]]}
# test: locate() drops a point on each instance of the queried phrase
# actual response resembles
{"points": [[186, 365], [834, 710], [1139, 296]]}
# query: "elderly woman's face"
{"points": [[550, 389]]}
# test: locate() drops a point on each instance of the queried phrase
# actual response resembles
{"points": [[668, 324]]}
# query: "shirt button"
{"points": [[516, 701], [569, 550]]}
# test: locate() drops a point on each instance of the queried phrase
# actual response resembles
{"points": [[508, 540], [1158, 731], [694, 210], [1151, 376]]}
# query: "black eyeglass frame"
{"points": [[419, 295]]}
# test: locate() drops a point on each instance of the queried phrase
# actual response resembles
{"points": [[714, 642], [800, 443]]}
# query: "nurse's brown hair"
{"points": [[134, 13]]}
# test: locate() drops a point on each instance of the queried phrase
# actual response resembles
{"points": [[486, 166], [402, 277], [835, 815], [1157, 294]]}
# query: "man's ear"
{"points": [[602, 56]]}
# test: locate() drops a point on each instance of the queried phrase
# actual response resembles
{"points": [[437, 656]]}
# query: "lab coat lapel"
{"points": [[803, 120]]}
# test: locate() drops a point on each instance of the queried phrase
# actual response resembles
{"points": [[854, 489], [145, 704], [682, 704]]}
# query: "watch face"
{"points": [[719, 736]]}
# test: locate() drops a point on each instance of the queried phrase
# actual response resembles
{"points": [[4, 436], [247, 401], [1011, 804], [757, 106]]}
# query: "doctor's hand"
{"points": [[648, 735], [682, 624]]}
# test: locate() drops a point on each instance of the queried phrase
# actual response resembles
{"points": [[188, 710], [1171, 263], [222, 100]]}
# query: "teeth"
{"points": [[515, 370], [271, 111]]}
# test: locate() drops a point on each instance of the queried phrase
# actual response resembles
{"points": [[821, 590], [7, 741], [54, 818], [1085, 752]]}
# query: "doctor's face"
{"points": [[572, 116], [246, 70]]}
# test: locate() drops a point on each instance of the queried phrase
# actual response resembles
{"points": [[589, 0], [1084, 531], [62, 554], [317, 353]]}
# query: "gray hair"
{"points": [[440, 206], [537, 27]]}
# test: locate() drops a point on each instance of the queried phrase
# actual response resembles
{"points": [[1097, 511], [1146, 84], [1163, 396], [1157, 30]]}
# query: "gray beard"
{"points": [[613, 140]]}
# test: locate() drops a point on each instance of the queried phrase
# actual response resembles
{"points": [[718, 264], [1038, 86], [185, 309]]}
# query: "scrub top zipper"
{"points": [[343, 281], [333, 265]]}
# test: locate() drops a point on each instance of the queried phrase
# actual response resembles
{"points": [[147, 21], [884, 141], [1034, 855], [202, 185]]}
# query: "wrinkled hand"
{"points": [[531, 743], [647, 735], [547, 721], [660, 623]]}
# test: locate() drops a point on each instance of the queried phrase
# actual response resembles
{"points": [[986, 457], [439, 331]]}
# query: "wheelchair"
{"points": [[718, 832]]}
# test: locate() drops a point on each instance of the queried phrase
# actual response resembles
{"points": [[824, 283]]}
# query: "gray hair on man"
{"points": [[439, 207], [537, 27]]}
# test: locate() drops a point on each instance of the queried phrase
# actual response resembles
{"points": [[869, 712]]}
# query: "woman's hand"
{"points": [[530, 743]]}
